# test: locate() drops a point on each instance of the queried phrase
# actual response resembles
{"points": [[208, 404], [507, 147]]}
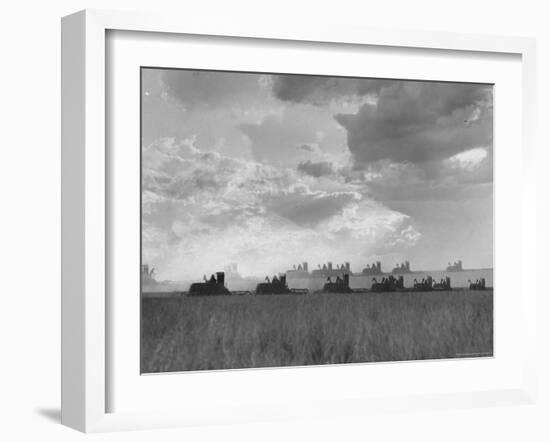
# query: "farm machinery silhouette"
{"points": [[428, 284], [478, 285], [213, 286], [277, 285], [387, 284], [340, 285]]}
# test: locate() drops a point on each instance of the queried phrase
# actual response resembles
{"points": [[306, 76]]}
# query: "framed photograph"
{"points": [[264, 222]]}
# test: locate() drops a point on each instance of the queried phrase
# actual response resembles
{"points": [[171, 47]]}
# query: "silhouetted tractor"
{"points": [[277, 286], [340, 285], [214, 286], [389, 284]]}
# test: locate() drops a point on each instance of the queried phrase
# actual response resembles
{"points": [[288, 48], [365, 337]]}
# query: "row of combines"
{"points": [[215, 286], [393, 284], [428, 284]]}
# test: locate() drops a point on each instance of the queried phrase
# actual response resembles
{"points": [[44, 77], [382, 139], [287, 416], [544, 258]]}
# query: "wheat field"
{"points": [[228, 332]]}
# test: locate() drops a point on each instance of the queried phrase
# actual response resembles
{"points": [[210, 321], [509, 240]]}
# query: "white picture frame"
{"points": [[86, 202]]}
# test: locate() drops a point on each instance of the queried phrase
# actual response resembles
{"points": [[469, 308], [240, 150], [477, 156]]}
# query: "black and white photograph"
{"points": [[300, 220], [289, 221]]}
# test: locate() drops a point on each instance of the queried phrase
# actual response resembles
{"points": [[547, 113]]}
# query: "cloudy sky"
{"points": [[270, 170]]}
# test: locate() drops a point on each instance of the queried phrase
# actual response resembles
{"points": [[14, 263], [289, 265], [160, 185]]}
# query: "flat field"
{"points": [[225, 332]]}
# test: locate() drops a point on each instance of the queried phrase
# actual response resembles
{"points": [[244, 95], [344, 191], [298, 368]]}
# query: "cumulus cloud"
{"points": [[268, 169], [221, 209], [412, 139], [419, 121]]}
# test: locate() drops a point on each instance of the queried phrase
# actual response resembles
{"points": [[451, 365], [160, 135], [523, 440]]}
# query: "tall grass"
{"points": [[219, 332]]}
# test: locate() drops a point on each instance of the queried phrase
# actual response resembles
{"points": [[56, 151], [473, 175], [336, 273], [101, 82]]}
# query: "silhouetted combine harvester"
{"points": [[478, 285], [387, 284], [213, 286], [277, 286], [393, 284], [428, 284], [340, 285]]}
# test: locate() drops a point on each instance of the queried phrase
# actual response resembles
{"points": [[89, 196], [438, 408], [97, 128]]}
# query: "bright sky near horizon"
{"points": [[270, 170]]}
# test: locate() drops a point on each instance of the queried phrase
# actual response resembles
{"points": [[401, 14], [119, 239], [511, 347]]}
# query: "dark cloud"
{"points": [[319, 90], [420, 121], [448, 180], [322, 168], [405, 135], [298, 88], [309, 208]]}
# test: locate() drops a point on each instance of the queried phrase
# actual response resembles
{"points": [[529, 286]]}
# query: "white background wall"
{"points": [[30, 220]]}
